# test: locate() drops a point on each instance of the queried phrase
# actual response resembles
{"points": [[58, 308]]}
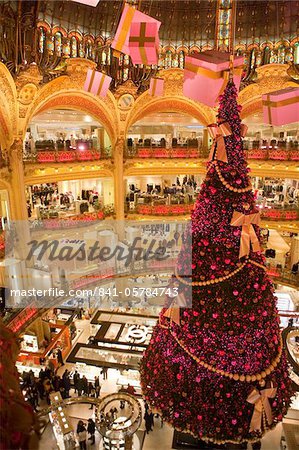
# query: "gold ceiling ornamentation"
{"points": [[8, 107], [271, 77], [173, 100]]}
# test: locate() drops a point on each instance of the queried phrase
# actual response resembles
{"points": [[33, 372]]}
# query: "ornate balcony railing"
{"points": [[163, 210], [265, 154], [277, 154], [276, 213], [65, 156], [163, 152]]}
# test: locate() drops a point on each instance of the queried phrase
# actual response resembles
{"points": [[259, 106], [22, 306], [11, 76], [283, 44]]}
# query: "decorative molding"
{"points": [[27, 93], [271, 77]]}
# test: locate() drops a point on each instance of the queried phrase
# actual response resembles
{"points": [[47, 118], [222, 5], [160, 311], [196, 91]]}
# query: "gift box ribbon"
{"points": [[154, 85], [92, 80], [118, 46], [142, 39], [248, 234], [218, 132], [268, 103], [191, 67], [173, 313], [261, 407]]}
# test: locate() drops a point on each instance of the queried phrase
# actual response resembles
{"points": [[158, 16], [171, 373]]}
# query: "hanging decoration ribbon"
{"points": [[173, 311], [244, 129], [248, 233], [262, 408], [218, 132]]}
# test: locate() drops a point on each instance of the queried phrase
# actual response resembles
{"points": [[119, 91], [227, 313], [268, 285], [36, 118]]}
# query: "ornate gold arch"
{"points": [[270, 78], [173, 100], [79, 101], [67, 92], [8, 107]]}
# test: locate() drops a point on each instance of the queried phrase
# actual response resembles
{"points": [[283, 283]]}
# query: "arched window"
{"points": [[168, 59], [289, 55], [50, 43], [175, 60], [181, 59], [108, 51], [58, 43], [42, 40], [246, 60], [104, 57], [296, 53], [161, 60], [281, 54], [258, 59], [266, 55], [252, 59], [273, 57], [74, 47], [88, 50], [81, 50]]}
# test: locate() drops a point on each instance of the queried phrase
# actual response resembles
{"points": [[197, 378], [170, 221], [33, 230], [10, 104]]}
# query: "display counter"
{"points": [[62, 428]]}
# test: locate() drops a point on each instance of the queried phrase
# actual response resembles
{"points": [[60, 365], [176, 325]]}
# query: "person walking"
{"points": [[82, 435], [76, 377], [85, 385], [148, 421], [80, 385], [91, 429], [97, 386], [105, 373]]}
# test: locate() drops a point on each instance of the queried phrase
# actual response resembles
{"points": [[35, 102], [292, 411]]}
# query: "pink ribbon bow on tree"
{"points": [[262, 407], [218, 132], [248, 233]]}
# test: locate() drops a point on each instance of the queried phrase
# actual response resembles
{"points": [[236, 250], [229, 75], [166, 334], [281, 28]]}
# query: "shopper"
{"points": [[148, 421], [76, 377], [82, 435], [105, 373], [91, 428], [59, 357], [97, 386], [91, 392], [85, 385], [66, 383], [80, 385]]}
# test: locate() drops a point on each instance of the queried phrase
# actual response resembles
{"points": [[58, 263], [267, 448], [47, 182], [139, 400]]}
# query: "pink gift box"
{"points": [[97, 83], [121, 40], [206, 75], [281, 107], [156, 88], [87, 2], [144, 43]]}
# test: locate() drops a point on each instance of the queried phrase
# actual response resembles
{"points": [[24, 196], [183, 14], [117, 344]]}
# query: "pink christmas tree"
{"points": [[218, 370]]}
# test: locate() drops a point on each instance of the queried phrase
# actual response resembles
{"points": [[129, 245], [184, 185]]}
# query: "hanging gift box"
{"points": [[120, 43], [87, 2], [281, 107], [144, 43], [97, 83], [206, 75], [156, 88]]}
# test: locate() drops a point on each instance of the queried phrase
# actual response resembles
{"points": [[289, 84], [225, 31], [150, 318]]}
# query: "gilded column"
{"points": [[19, 206], [119, 192]]}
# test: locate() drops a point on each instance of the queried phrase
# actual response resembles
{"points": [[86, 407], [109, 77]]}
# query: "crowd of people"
{"points": [[38, 389]]}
